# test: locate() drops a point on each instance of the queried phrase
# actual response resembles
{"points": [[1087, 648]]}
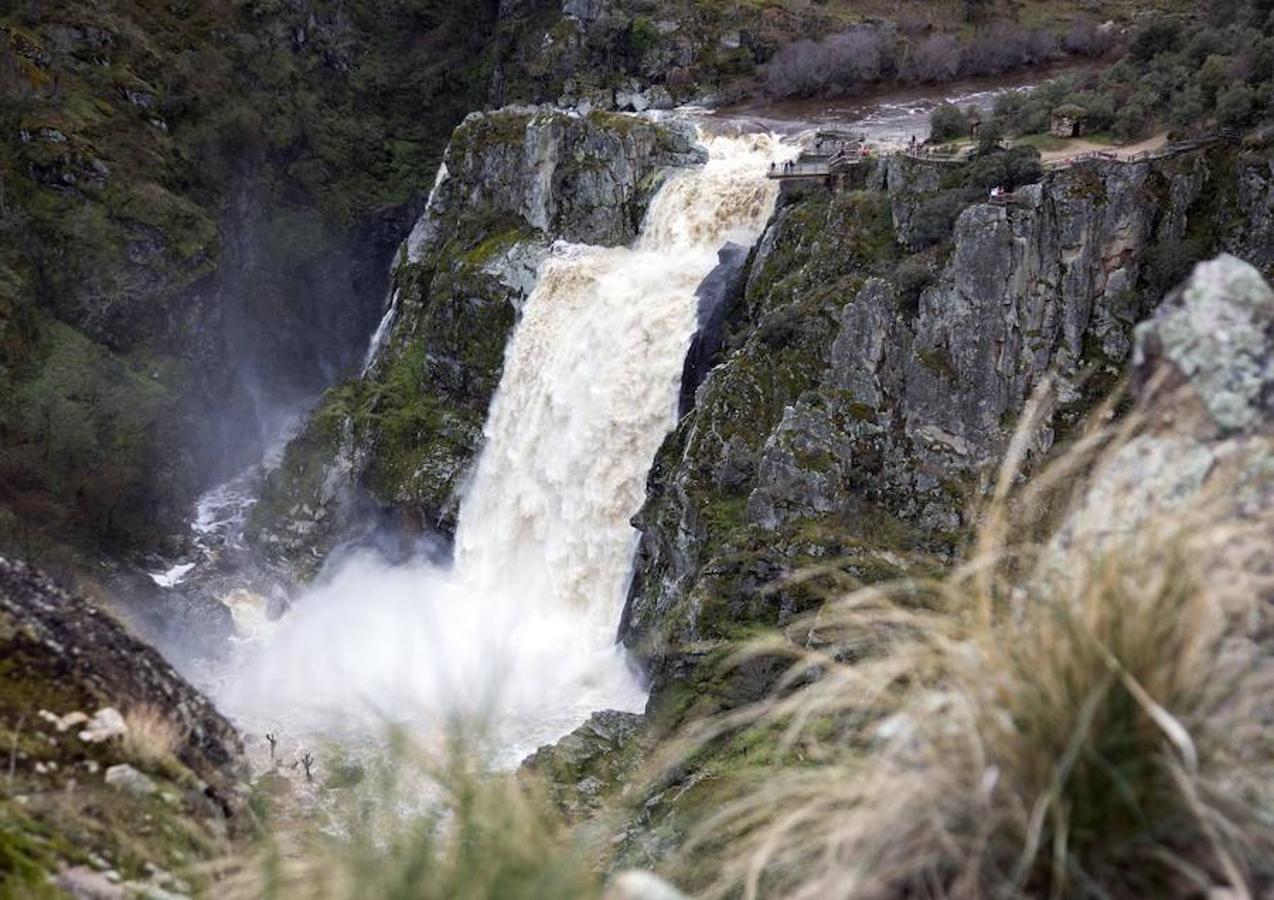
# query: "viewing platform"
{"points": [[838, 172], [810, 169]]}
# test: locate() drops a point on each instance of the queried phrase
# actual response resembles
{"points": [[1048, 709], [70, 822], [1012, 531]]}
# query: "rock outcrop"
{"points": [[591, 765], [1193, 448], [112, 756], [404, 435], [1203, 381], [865, 390]]}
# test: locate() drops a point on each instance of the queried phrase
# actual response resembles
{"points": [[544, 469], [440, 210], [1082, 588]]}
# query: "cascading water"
{"points": [[520, 629]]}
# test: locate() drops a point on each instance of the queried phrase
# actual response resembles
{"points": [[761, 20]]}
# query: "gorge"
{"points": [[498, 474]]}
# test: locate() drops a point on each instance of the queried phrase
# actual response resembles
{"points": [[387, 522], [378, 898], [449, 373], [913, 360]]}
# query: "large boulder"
{"points": [[1203, 381]]}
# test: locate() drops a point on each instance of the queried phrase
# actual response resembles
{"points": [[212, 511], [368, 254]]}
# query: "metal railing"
{"points": [[801, 170]]}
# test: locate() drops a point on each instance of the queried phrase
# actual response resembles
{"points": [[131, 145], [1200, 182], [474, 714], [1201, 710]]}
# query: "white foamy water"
{"points": [[520, 630]]}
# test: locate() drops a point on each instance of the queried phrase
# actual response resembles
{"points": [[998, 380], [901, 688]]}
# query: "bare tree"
{"points": [[938, 58], [13, 748]]}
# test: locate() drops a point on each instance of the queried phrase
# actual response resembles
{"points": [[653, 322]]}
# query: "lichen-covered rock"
{"points": [[1205, 452], [1202, 371], [125, 778], [401, 439], [1216, 335], [593, 763], [866, 390]]}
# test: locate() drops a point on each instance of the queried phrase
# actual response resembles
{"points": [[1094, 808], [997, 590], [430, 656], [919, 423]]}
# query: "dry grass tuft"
{"points": [[1074, 712], [152, 737]]}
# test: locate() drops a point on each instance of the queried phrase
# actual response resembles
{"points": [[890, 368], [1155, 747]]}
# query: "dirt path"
{"points": [[1075, 148]]}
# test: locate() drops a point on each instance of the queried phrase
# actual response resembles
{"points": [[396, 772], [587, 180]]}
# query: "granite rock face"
{"points": [[857, 406], [1214, 336], [401, 439]]}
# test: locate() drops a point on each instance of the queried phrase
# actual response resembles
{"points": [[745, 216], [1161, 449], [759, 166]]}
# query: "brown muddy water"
{"points": [[883, 116]]}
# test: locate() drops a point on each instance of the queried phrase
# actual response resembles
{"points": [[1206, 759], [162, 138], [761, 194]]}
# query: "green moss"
{"points": [[724, 514], [862, 412], [478, 135], [936, 360], [493, 246], [1086, 181]]}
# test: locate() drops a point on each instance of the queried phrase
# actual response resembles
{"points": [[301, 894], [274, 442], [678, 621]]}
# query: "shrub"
{"points": [[1086, 38], [1188, 110], [1004, 47], [795, 71], [856, 56], [642, 35], [937, 59], [1154, 38], [1206, 42], [990, 135], [1034, 117], [912, 276], [935, 218], [946, 123], [843, 62], [1131, 121], [1234, 106], [1009, 169]]}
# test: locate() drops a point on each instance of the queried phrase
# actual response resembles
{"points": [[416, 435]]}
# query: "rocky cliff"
{"points": [[199, 207], [1195, 445], [864, 389], [401, 438]]}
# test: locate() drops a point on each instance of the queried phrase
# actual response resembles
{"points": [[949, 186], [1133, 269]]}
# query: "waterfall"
{"points": [[411, 250], [520, 628], [381, 334]]}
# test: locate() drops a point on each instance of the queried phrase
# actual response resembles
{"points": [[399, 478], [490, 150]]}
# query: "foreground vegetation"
{"points": [[1069, 712]]}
